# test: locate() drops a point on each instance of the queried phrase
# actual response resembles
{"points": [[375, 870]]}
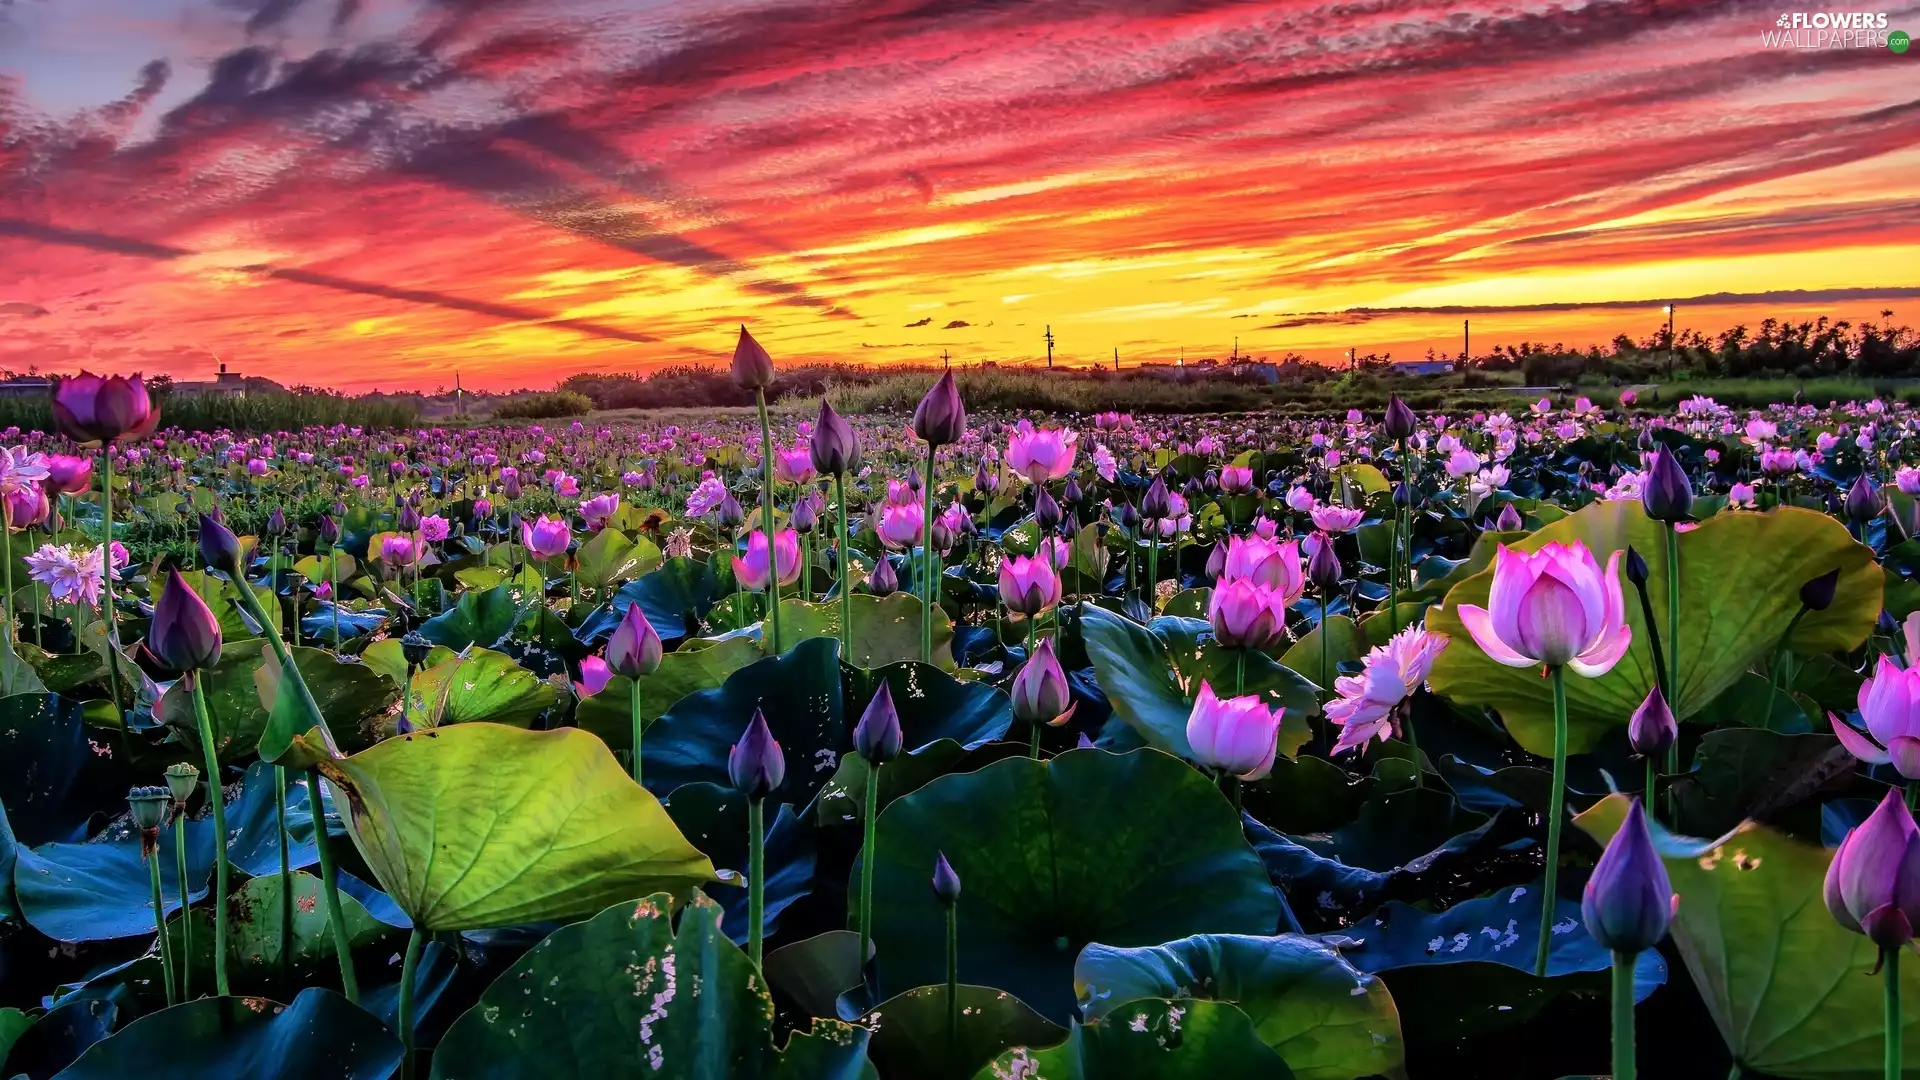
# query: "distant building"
{"points": [[20, 386], [1258, 370], [1420, 367], [225, 384]]}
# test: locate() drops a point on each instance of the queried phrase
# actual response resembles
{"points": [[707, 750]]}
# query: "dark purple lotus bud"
{"points": [[1402, 495], [183, 635], [946, 883], [219, 548], [408, 520], [1046, 512], [1817, 595], [1863, 500], [756, 764], [634, 648], [983, 481], [339, 509], [804, 518], [752, 367], [329, 530], [1194, 492], [1073, 493], [877, 737], [1399, 420], [942, 538], [510, 487], [1628, 901], [1667, 494], [1653, 727], [1636, 567], [1217, 560], [882, 581], [835, 448], [729, 511], [941, 417], [1157, 503], [1040, 692], [1509, 520], [1323, 568], [277, 523], [1126, 516]]}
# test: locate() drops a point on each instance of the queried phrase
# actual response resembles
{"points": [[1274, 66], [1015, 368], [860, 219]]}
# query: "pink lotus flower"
{"points": [[1873, 882], [902, 525], [1238, 736], [1890, 705], [1554, 606], [1041, 455], [1334, 518], [752, 570], [72, 575], [599, 509], [1267, 562], [434, 528], [1299, 499], [69, 475], [1235, 479], [1029, 585], [1364, 707], [1246, 614], [398, 549], [594, 676], [793, 466], [546, 537]]}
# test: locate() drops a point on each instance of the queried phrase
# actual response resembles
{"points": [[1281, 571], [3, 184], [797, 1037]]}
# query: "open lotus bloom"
{"points": [[1890, 706], [1041, 455], [1554, 606]]}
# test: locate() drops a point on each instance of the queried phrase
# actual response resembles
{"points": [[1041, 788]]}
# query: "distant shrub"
{"points": [[544, 406]]}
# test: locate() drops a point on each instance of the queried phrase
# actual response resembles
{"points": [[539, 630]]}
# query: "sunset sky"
{"points": [[379, 193]]}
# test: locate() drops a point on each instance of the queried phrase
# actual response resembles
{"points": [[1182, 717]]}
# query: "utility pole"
{"points": [[945, 360], [1670, 340], [1116, 358], [1466, 341], [459, 397], [1049, 347]]}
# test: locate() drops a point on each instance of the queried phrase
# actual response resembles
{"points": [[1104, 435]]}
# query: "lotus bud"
{"points": [[914, 483], [1157, 503], [277, 522], [328, 530], [1873, 882], [1041, 693], [1399, 421], [1402, 495], [1653, 727], [1073, 493], [756, 765], [882, 581], [1628, 901], [835, 448], [946, 883], [408, 520], [1509, 519], [1323, 568], [1667, 494], [219, 548], [877, 737], [183, 634], [804, 518], [1636, 565], [752, 367], [634, 649], [90, 408], [1817, 594], [149, 806], [983, 481], [941, 417], [1217, 560], [182, 781], [729, 511], [1863, 500], [1046, 512], [1126, 517]]}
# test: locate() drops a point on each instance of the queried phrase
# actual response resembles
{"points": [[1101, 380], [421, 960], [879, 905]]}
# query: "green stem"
{"points": [[152, 859], [1623, 1057], [1033, 743], [1549, 891], [1413, 744], [953, 974], [330, 888], [408, 970], [637, 729], [286, 873], [1240, 671], [866, 864], [1153, 567], [929, 584], [846, 586], [1653, 771], [1673, 642], [1326, 667], [106, 584], [766, 523], [1778, 662], [217, 799], [6, 604], [333, 588], [186, 903], [756, 880], [1890, 963]]}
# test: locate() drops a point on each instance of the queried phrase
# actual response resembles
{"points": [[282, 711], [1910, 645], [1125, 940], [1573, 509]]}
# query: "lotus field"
{"points": [[806, 746]]}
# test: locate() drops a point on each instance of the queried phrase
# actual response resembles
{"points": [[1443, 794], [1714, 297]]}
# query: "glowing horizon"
{"points": [[381, 193]]}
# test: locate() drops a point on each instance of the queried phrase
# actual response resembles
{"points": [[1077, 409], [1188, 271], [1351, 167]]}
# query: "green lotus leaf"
{"points": [[1345, 643], [482, 825], [812, 973], [253, 932], [1150, 1039], [608, 713], [1152, 674], [1037, 846], [1325, 1018], [478, 685], [626, 993], [1740, 578], [910, 1032], [886, 629], [321, 1036], [611, 557], [1784, 983]]}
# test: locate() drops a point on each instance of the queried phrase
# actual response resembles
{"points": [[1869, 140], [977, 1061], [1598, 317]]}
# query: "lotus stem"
{"points": [[1033, 737], [217, 799], [634, 706], [106, 585], [150, 854], [953, 974], [1558, 810], [6, 607], [866, 863], [1153, 569], [1623, 1057], [286, 872], [1779, 661], [846, 583], [409, 969], [929, 596], [330, 888], [756, 880], [333, 588], [186, 903], [1413, 744], [766, 522], [1673, 643], [1890, 972]]}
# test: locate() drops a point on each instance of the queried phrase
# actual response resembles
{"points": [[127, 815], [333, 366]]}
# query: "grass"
{"points": [[255, 412]]}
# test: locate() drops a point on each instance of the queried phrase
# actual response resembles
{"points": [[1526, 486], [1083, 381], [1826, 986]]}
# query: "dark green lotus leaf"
{"points": [[1740, 773], [1752, 701], [321, 1036], [347, 693], [800, 693], [675, 598], [910, 1032], [932, 704], [611, 557], [1306, 795], [1345, 644], [1470, 968], [253, 933], [388, 657], [681, 672], [626, 993], [814, 972], [13, 1023], [476, 685], [62, 673], [1394, 829], [255, 828], [59, 1036], [1783, 982], [481, 618], [714, 819], [1151, 674], [432, 1007], [886, 629], [9, 854], [1038, 846], [1325, 1018], [233, 704], [482, 825], [1188, 604], [47, 751], [844, 797], [1740, 578], [1150, 1039], [100, 891]]}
